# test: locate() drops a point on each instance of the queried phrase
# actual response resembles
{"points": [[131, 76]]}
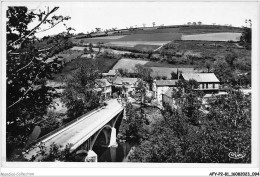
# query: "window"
{"points": [[203, 86], [213, 85], [207, 85]]}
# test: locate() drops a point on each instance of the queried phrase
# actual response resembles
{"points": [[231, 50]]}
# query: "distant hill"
{"points": [[184, 29]]}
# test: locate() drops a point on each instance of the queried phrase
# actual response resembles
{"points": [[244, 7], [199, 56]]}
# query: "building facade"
{"points": [[208, 82], [160, 87]]}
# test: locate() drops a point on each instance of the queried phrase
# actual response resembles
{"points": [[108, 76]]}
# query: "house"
{"points": [[160, 87], [129, 84], [103, 86], [167, 98], [208, 82]]}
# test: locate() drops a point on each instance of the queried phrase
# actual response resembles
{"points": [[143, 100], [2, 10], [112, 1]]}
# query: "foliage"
{"points": [[80, 95], [224, 131], [189, 100], [135, 122], [144, 73], [54, 153], [110, 55], [223, 71], [174, 75], [27, 70], [246, 37], [50, 122], [230, 58]]}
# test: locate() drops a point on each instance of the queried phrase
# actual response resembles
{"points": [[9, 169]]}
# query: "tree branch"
{"points": [[24, 92], [36, 27]]}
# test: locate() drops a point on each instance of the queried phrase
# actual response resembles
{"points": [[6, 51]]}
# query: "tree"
{"points": [[98, 30], [144, 25], [28, 97], [222, 135], [99, 45], [85, 50], [208, 65], [205, 65], [199, 23], [230, 58], [246, 37], [150, 53], [144, 73], [135, 129], [141, 88], [189, 23], [223, 71], [231, 126], [80, 95], [153, 24], [90, 47], [174, 75], [194, 23], [189, 99]]}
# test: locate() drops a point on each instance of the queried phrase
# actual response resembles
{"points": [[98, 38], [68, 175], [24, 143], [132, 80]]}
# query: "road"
{"points": [[81, 130]]}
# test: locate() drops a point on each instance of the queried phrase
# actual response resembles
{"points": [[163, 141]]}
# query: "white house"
{"points": [[160, 87], [208, 82], [104, 87]]}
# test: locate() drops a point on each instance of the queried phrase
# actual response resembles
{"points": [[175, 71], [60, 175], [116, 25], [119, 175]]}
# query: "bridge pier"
{"points": [[113, 142], [91, 157]]}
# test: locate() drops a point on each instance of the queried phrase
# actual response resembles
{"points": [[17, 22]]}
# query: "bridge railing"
{"points": [[64, 126]]}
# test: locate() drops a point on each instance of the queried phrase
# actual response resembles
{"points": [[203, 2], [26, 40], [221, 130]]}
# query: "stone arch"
{"points": [[97, 134], [107, 134], [116, 119]]}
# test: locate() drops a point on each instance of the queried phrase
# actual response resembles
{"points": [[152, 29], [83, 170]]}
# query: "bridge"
{"points": [[84, 132]]}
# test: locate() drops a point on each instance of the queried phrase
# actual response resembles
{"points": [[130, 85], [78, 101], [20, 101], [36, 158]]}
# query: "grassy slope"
{"points": [[103, 65], [208, 48]]}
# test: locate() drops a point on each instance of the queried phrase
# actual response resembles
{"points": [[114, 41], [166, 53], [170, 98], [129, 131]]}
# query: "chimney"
{"points": [[178, 76]]}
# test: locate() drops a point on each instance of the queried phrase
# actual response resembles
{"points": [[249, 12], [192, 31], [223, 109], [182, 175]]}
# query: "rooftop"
{"points": [[121, 80], [111, 72], [166, 82], [200, 77], [103, 83]]}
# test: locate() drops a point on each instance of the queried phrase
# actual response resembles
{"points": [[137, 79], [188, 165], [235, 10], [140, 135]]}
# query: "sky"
{"points": [[86, 16]]}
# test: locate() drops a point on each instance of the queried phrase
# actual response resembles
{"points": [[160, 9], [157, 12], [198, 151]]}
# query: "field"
{"points": [[134, 41], [66, 56], [128, 64], [152, 37], [95, 40], [161, 69], [213, 37], [100, 63]]}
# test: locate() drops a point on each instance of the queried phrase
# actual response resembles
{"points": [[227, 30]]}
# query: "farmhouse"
{"points": [[208, 82], [160, 87], [103, 86]]}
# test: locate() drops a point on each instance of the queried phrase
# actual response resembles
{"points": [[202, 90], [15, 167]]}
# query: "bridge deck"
{"points": [[81, 130]]}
